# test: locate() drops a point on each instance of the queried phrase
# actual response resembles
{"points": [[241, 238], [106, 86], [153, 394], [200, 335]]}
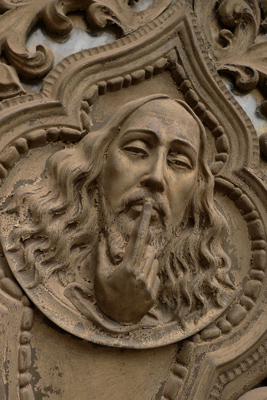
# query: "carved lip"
{"points": [[135, 208]]}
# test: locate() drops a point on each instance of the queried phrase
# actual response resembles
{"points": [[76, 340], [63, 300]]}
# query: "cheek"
{"points": [[116, 174], [181, 193]]}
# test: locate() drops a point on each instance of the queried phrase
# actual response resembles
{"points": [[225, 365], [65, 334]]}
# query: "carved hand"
{"points": [[127, 291]]}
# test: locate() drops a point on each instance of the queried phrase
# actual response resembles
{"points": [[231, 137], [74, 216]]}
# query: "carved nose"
{"points": [[155, 177]]}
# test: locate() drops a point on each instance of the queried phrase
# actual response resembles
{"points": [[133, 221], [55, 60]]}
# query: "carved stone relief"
{"points": [[133, 204]]}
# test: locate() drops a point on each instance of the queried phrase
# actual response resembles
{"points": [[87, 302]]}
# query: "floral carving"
{"points": [[9, 85], [237, 45], [18, 18]]}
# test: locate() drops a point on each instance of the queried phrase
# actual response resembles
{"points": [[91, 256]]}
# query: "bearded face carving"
{"points": [[125, 221]]}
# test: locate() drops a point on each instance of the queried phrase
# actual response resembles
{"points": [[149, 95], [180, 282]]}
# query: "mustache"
{"points": [[141, 196]]}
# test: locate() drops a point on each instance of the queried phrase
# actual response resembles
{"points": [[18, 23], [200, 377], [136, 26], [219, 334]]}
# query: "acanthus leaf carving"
{"points": [[237, 21], [16, 24], [99, 16], [244, 20], [129, 20], [31, 66], [10, 85], [263, 6], [246, 78], [234, 12], [54, 19], [19, 18], [236, 48], [4, 6]]}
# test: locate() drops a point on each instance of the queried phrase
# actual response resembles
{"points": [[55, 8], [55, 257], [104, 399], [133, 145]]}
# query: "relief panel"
{"points": [[133, 204]]}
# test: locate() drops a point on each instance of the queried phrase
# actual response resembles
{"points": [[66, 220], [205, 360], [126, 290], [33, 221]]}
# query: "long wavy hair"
{"points": [[59, 221]]}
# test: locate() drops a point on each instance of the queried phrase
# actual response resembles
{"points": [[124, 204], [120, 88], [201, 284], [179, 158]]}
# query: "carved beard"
{"points": [[117, 227]]}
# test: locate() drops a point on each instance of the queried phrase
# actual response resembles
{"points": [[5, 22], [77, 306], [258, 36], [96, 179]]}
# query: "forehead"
{"points": [[164, 118]]}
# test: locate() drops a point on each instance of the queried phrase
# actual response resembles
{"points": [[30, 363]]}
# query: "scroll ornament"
{"points": [[18, 18]]}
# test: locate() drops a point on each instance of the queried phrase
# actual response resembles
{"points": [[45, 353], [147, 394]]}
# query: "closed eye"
{"points": [[137, 148], [177, 160]]}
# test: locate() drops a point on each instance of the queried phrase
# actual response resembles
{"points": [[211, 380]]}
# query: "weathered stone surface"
{"points": [[133, 203]]}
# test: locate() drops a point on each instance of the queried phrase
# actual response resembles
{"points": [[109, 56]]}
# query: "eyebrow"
{"points": [[145, 131], [192, 152]]}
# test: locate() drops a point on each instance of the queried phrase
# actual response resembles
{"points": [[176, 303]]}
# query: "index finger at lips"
{"points": [[142, 231], [102, 256]]}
